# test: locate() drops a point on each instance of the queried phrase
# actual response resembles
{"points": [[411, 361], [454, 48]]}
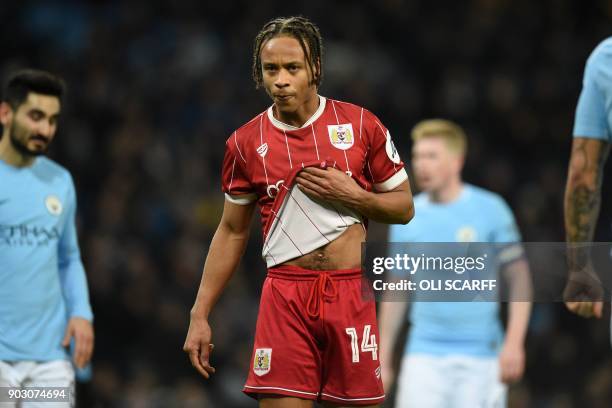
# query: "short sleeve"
{"points": [[234, 181], [506, 230], [591, 119], [385, 168]]}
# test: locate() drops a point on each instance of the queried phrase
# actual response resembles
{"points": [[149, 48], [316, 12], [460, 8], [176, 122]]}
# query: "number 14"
{"points": [[368, 343]]}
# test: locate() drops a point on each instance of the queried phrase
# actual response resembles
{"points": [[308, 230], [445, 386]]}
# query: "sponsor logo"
{"points": [[391, 150], [27, 235], [263, 361], [466, 234], [262, 150], [377, 372], [341, 136], [54, 205], [273, 189]]}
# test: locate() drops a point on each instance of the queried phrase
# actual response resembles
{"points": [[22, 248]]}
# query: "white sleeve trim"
{"points": [[392, 182], [511, 253], [242, 199]]}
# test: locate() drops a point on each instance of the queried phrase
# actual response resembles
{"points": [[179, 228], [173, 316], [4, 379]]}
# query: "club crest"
{"points": [[466, 234], [263, 361], [54, 205], [341, 136]]}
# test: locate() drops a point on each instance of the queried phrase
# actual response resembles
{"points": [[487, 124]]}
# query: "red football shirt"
{"points": [[260, 155]]}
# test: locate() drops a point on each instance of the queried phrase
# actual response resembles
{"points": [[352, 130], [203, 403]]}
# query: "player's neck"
{"points": [[448, 193], [300, 115], [11, 156]]}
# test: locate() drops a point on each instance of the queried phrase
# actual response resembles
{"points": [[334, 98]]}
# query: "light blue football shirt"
{"points": [[470, 328], [594, 110], [42, 280]]}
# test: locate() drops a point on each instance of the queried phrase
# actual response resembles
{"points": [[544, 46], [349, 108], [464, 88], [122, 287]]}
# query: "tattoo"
{"points": [[583, 196], [582, 211]]}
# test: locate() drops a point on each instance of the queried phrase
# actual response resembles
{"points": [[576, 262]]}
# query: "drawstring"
{"points": [[319, 293]]}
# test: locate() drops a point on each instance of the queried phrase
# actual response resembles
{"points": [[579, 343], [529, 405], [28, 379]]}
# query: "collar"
{"points": [[283, 126]]}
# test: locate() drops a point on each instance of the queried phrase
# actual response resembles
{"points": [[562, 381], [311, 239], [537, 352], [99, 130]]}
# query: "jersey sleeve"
{"points": [[506, 234], [591, 118], [385, 168], [506, 230], [72, 273], [235, 182]]}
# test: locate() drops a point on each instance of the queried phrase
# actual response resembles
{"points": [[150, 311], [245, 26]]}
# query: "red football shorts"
{"points": [[316, 338]]}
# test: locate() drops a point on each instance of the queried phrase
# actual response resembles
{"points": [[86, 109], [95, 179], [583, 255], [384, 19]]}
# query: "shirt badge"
{"points": [[341, 136], [54, 205], [263, 361], [466, 234]]}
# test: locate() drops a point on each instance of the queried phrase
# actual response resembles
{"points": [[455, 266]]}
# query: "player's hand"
{"points": [[83, 333], [328, 184], [583, 293], [198, 346], [511, 363]]}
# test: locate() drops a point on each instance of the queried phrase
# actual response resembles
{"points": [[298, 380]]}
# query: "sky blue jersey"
{"points": [[471, 328], [42, 280], [594, 110]]}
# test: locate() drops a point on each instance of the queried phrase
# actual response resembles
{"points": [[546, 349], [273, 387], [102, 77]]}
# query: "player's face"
{"points": [[33, 125], [434, 164], [286, 74]]}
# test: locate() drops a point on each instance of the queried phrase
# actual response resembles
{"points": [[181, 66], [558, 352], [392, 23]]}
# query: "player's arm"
{"points": [[392, 207], [226, 249], [330, 184], [512, 355], [515, 269], [74, 288], [583, 292], [390, 320], [582, 201]]}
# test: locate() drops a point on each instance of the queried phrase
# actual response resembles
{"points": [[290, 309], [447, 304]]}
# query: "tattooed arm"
{"points": [[583, 292]]}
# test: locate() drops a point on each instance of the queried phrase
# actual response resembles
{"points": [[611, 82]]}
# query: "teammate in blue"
{"points": [[456, 353], [590, 148], [44, 303]]}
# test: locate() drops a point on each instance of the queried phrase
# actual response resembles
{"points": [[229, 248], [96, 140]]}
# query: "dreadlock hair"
{"points": [[22, 82], [304, 31]]}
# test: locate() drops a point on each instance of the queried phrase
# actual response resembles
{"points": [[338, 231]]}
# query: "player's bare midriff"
{"points": [[342, 253]]}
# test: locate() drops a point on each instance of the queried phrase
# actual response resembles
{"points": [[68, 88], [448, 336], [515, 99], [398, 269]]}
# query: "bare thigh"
{"points": [[284, 402]]}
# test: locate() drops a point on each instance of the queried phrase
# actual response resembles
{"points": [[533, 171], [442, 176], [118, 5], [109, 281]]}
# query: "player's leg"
{"points": [[9, 377], [423, 382], [332, 405], [58, 374], [351, 365], [286, 360], [478, 383], [284, 402]]}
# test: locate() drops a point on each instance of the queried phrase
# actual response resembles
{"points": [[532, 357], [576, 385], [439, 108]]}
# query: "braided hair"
{"points": [[304, 31]]}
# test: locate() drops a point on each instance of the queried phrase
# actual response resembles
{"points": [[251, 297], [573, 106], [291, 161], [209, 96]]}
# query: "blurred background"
{"points": [[155, 88]]}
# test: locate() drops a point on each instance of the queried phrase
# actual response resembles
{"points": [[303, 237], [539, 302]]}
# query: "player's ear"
{"points": [[460, 161], [6, 113]]}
